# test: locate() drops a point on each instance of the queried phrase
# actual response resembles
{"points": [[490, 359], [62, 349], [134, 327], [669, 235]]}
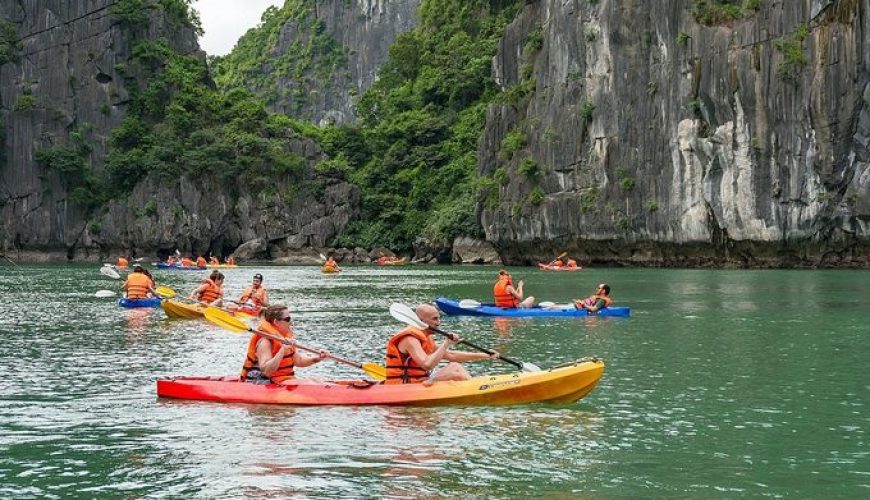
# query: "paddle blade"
{"points": [[469, 304], [109, 272], [406, 315], [104, 293], [531, 367], [225, 320], [375, 371], [165, 292], [546, 305]]}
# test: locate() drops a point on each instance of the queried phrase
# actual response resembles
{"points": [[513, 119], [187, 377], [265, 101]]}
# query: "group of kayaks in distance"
{"points": [[411, 374]]}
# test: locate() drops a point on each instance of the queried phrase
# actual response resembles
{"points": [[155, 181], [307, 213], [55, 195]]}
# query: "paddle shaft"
{"points": [[304, 348], [479, 348]]}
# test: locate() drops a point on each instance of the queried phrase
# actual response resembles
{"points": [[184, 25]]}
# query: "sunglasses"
{"points": [[285, 318]]}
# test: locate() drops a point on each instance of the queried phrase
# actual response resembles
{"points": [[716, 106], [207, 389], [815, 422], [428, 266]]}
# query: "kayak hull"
{"points": [[452, 308], [565, 384], [163, 265], [221, 266], [547, 267], [329, 270], [180, 310], [137, 303]]}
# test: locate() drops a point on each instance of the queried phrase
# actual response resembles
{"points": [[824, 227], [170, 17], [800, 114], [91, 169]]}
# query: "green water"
{"points": [[721, 384]]}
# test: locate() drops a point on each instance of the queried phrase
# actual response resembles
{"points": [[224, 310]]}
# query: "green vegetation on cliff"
{"points": [[413, 151], [257, 63]]}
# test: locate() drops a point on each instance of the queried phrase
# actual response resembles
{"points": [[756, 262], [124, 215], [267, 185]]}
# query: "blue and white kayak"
{"points": [[134, 303], [453, 308], [163, 265]]}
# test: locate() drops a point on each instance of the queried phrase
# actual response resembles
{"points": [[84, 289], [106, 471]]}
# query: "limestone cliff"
{"points": [[321, 56], [631, 133], [66, 79]]}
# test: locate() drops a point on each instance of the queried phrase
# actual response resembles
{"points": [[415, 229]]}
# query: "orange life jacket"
{"points": [[186, 262], [212, 292], [572, 263], [557, 263], [258, 296], [592, 299], [137, 285], [200, 261], [503, 298], [285, 368], [122, 262], [231, 261], [401, 367]]}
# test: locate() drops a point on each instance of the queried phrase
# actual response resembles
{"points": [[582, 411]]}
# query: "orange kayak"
{"points": [[329, 269], [563, 384], [547, 267]]}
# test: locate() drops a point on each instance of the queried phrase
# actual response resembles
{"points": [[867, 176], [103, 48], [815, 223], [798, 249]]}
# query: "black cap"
{"points": [[258, 276], [137, 267]]}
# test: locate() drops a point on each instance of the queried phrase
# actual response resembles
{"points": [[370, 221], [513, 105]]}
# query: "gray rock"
{"points": [[471, 251]]}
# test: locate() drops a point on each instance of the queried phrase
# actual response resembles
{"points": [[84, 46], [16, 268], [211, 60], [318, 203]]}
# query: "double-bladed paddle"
{"points": [[227, 321], [407, 315], [557, 258]]}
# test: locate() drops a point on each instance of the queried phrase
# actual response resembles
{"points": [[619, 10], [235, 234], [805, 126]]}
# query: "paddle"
{"points": [[557, 258], [104, 293], [107, 271], [229, 322], [469, 304], [407, 315], [473, 304]]}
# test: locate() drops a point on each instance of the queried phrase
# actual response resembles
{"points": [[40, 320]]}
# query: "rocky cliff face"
{"points": [[364, 30], [634, 134], [65, 74]]}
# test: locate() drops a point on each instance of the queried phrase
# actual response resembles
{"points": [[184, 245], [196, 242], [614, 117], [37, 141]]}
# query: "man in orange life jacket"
{"points": [[211, 291], [138, 284], [412, 353], [271, 360], [595, 303], [506, 295], [254, 296]]}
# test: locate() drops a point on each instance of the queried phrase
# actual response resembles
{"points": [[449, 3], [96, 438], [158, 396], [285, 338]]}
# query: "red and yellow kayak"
{"points": [[563, 384], [329, 269]]}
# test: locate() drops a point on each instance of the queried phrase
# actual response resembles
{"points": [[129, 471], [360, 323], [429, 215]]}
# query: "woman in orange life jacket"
{"points": [[254, 296], [595, 303], [139, 285], [272, 361], [200, 261], [506, 295], [330, 262], [211, 291], [412, 353]]}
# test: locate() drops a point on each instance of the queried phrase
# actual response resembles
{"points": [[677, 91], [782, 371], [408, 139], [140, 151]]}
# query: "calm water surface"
{"points": [[721, 384]]}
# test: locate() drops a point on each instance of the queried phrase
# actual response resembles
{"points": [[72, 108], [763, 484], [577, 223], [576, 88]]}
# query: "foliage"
{"points": [[413, 153], [72, 166], [793, 53], [314, 55], [10, 43], [714, 12], [529, 168], [586, 110], [537, 196]]}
